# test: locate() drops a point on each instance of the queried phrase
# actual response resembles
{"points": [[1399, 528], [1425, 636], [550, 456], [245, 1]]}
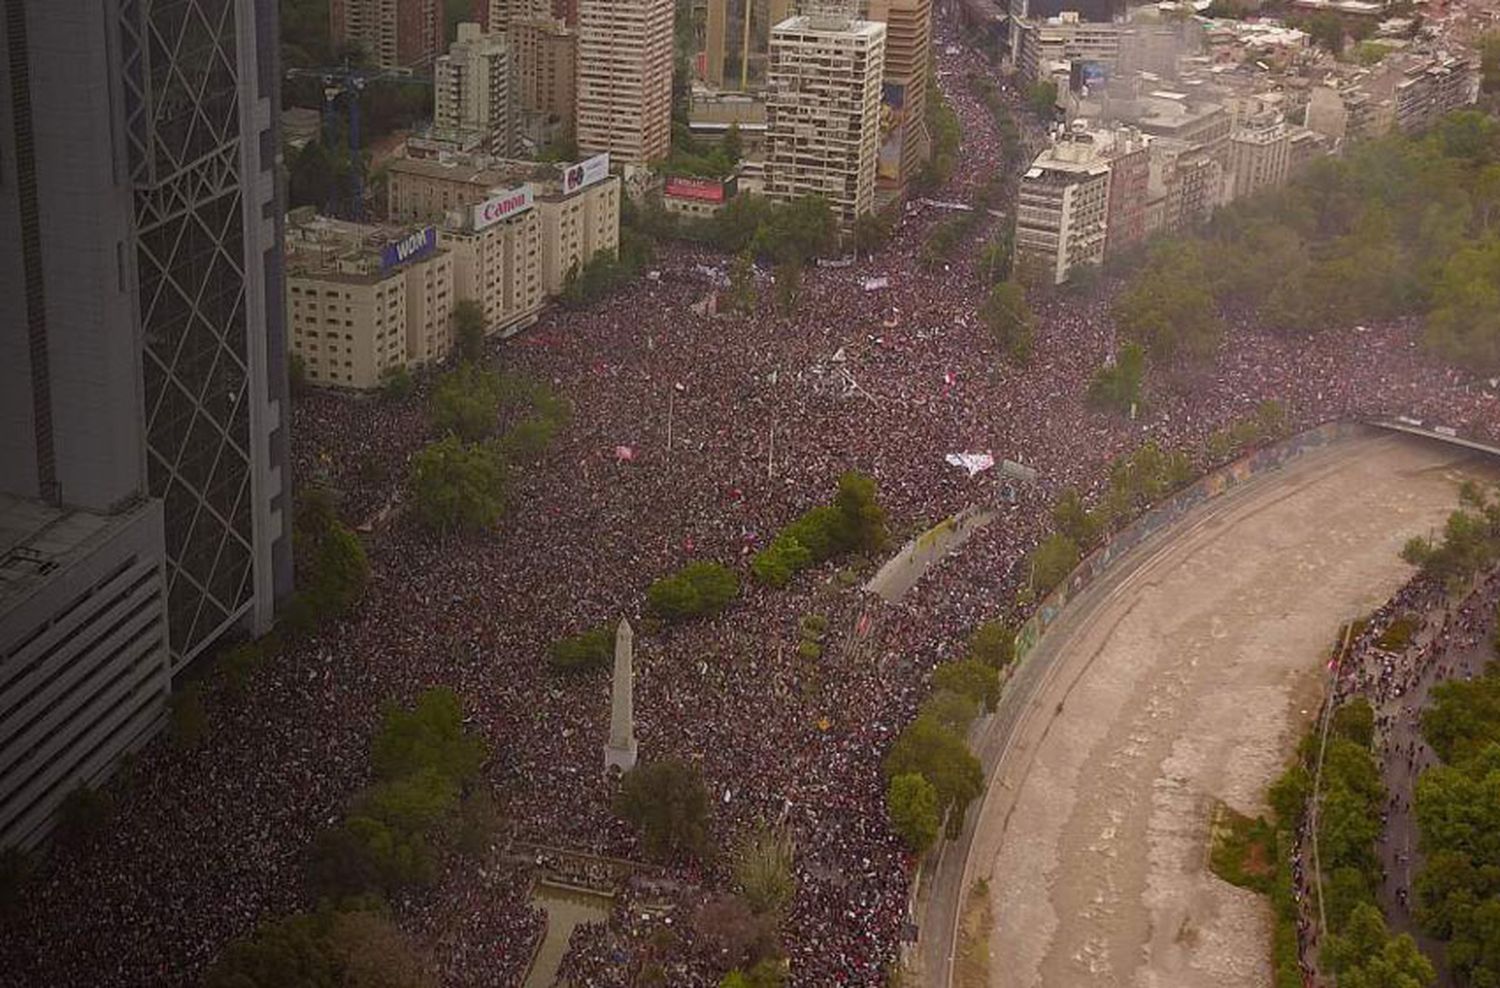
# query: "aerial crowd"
{"points": [[732, 426]]}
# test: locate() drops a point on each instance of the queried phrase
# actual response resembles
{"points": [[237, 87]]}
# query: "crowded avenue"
{"points": [[733, 425]]}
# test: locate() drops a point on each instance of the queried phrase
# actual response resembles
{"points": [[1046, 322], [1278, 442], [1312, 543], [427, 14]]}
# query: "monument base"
{"points": [[621, 757]]}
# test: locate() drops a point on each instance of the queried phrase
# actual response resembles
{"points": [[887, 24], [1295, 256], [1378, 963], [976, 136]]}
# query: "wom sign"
{"points": [[410, 248]]}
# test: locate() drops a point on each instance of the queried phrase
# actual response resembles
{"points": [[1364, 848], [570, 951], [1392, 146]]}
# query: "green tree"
{"points": [[593, 649], [742, 293], [1463, 717], [1365, 955], [465, 403], [428, 735], [1168, 307], [314, 177], [734, 144], [939, 756], [1354, 720], [1326, 31], [457, 487], [1010, 320], [468, 330], [1041, 98], [994, 644], [863, 518], [955, 711], [912, 804], [763, 869], [1052, 561], [1071, 518], [667, 803], [396, 383], [288, 951], [1117, 386], [970, 678]]}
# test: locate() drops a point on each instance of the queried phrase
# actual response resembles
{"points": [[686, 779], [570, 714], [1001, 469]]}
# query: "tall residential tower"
{"points": [[625, 79], [824, 110]]}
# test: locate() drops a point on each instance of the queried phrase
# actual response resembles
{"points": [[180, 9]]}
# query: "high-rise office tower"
{"points": [[476, 89], [144, 504], [904, 140], [625, 79], [393, 34], [737, 42], [824, 110]]}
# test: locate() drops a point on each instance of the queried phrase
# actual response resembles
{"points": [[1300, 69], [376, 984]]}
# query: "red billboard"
{"points": [[702, 189]]}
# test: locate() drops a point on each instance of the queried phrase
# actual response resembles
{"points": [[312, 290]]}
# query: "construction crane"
{"points": [[342, 86]]}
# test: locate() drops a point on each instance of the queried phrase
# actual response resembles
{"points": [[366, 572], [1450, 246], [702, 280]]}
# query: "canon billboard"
{"points": [[510, 203]]}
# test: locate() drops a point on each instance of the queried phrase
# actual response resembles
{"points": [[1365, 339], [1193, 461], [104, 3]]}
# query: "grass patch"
{"points": [[1244, 850], [1399, 634], [971, 965]]}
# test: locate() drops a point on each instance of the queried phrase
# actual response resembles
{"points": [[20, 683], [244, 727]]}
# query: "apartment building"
{"points": [[545, 57], [1062, 207], [365, 300], [823, 111], [1259, 154], [475, 89], [392, 34], [624, 106]]}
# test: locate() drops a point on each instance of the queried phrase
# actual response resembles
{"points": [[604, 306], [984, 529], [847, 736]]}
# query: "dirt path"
{"points": [[1183, 678]]}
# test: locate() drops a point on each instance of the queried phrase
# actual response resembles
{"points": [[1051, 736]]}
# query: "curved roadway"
{"points": [[1183, 676]]}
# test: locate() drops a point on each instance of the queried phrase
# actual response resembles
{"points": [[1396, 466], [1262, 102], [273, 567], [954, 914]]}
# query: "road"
{"points": [[1183, 675]]}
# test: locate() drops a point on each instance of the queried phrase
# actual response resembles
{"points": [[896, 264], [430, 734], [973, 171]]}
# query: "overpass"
{"points": [[1433, 430]]}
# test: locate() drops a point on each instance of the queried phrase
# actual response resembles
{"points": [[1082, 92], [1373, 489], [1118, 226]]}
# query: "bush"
{"points": [[777, 563], [696, 590], [863, 519], [582, 653]]}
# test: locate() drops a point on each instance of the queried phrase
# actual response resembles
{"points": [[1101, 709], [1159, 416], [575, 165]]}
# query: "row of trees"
{"points": [[425, 795], [931, 775], [1398, 225], [854, 522], [1458, 813]]}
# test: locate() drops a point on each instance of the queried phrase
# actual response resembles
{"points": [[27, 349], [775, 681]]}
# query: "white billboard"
{"points": [[585, 173], [504, 205]]}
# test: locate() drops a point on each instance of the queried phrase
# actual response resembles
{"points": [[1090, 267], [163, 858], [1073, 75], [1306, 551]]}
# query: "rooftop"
{"points": [[38, 539]]}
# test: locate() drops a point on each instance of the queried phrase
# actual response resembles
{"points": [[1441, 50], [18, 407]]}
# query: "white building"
{"points": [[475, 89], [1062, 207], [823, 112], [625, 79]]}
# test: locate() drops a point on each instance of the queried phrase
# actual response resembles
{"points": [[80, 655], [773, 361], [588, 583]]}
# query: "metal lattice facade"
{"points": [[185, 129]]}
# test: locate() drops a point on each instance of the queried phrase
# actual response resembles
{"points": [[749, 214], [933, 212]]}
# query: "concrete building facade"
{"points": [[393, 34], [1062, 208], [142, 429], [823, 111], [905, 141], [497, 259], [625, 79], [737, 42], [546, 53], [578, 208], [475, 89], [365, 300], [1259, 154]]}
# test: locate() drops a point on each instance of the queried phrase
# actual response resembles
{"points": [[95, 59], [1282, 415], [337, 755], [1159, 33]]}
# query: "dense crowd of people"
{"points": [[735, 425]]}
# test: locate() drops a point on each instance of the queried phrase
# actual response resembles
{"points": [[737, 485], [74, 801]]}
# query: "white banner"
{"points": [[585, 173], [509, 203]]}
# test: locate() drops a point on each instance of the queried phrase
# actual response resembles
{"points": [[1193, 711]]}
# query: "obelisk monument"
{"points": [[620, 751]]}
